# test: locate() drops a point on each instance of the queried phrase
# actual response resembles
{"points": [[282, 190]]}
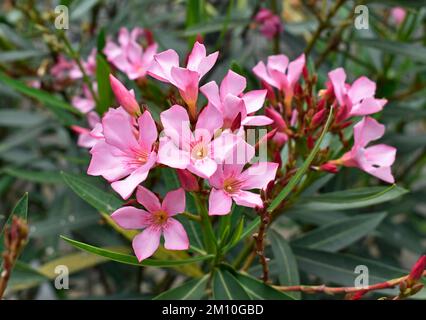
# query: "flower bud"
{"points": [[124, 97], [276, 117], [418, 268], [329, 167], [187, 180], [319, 118]]}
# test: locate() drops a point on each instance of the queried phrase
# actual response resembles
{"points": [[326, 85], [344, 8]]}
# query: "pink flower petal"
{"points": [[146, 243], [148, 199], [232, 83], [247, 199], [176, 124], [338, 78], [131, 218], [187, 83], [258, 175], [368, 106], [118, 132], [209, 120], [257, 121], [147, 130], [175, 236], [362, 88], [367, 130], [203, 168], [381, 154], [295, 69], [126, 186], [170, 155], [196, 56], [174, 202], [260, 71], [254, 100], [207, 63], [211, 91], [162, 65], [220, 202]]}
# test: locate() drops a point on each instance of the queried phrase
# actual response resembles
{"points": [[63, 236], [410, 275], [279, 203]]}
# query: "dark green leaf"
{"points": [[34, 176], [99, 199], [191, 290], [338, 235], [227, 287], [104, 87], [284, 257]]}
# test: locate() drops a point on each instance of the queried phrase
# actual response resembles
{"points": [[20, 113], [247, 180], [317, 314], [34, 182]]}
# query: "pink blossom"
{"points": [[375, 160], [230, 183], [89, 66], [356, 99], [128, 55], [61, 69], [230, 100], [85, 102], [270, 23], [156, 220], [281, 74], [165, 67], [125, 155], [398, 14], [125, 98], [280, 137], [85, 137], [197, 151]]}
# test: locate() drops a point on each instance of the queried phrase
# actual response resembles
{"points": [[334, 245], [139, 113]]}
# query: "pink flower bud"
{"points": [[319, 117], [329, 167], [124, 97], [187, 180], [418, 268]]}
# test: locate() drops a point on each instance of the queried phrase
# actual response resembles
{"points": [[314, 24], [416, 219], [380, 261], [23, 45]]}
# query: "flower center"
{"points": [[199, 151], [141, 157], [231, 185], [160, 217]]}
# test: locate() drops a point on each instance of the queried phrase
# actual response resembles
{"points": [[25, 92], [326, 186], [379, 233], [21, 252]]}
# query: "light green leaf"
{"points": [[340, 234], [132, 260], [191, 290], [286, 261], [96, 197], [34, 176]]}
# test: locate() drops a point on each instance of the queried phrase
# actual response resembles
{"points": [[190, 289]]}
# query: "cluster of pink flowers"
{"points": [[208, 146], [270, 23]]}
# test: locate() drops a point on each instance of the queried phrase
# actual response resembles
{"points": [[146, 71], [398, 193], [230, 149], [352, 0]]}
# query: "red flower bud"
{"points": [[187, 180], [278, 119], [305, 73], [319, 117], [418, 268], [124, 97], [329, 167], [310, 142]]}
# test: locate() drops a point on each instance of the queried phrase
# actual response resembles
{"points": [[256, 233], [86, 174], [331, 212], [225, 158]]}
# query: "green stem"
{"points": [[208, 233]]}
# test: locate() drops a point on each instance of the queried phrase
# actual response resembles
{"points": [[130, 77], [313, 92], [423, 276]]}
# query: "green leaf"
{"points": [[340, 234], [132, 260], [286, 261], [21, 137], [340, 268], [301, 171], [101, 200], [101, 41], [80, 8], [236, 235], [257, 290], [50, 100], [20, 118], [34, 176], [412, 51], [104, 87], [191, 290], [350, 199], [9, 56], [227, 287]]}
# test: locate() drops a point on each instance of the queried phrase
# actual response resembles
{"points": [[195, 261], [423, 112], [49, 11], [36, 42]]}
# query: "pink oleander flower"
{"points": [[85, 137], [126, 154], [230, 183], [398, 14], [375, 160], [356, 99], [125, 98], [165, 67], [270, 23], [85, 102], [281, 74], [128, 55], [156, 220], [230, 100], [60, 70], [280, 137], [197, 151]]}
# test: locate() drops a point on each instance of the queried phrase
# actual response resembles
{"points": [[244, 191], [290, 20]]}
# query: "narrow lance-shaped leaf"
{"points": [[227, 287], [191, 290], [132, 260], [286, 261]]}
